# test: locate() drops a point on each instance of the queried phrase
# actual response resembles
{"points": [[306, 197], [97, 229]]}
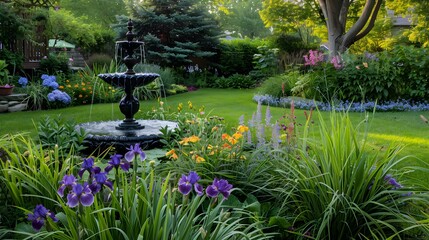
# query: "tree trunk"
{"points": [[335, 13]]}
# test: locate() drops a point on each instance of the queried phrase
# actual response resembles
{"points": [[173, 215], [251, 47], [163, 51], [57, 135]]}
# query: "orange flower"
{"points": [[226, 145], [80, 96], [198, 158], [225, 136], [61, 87], [237, 135], [172, 154], [192, 139], [214, 129], [242, 128]]}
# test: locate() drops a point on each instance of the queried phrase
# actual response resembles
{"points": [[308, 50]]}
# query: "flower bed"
{"points": [[300, 103]]}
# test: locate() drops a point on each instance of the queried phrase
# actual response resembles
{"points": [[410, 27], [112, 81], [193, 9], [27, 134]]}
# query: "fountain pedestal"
{"points": [[121, 134]]}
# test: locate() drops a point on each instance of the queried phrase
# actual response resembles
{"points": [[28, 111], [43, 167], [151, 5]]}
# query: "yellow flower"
{"points": [[237, 135], [194, 139], [180, 107], [161, 103], [80, 96], [190, 104], [69, 86], [61, 87], [198, 158], [242, 128], [365, 64], [172, 154], [83, 84], [214, 129]]}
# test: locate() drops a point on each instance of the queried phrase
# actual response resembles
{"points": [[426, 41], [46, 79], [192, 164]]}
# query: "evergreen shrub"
{"points": [[236, 56], [235, 81]]}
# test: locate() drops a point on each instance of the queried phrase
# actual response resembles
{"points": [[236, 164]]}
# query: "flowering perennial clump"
{"points": [[59, 96]]}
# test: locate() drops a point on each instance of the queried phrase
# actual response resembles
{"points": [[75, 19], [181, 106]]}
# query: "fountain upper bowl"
{"points": [[133, 80]]}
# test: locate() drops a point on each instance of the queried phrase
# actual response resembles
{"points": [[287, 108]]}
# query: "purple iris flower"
{"points": [[80, 194], [115, 162], [186, 183], [68, 182], [133, 152], [100, 180], [88, 165], [39, 216], [219, 186], [392, 181]]}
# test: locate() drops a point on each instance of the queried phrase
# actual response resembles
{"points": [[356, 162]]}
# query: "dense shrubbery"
{"points": [[236, 56], [398, 74]]}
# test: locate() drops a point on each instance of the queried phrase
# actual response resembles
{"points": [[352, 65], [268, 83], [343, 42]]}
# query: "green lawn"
{"points": [[384, 128]]}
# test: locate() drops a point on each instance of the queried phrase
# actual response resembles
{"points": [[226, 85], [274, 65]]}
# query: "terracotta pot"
{"points": [[4, 91]]}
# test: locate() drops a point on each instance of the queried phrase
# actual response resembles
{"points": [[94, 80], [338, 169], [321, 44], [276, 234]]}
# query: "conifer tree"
{"points": [[175, 32]]}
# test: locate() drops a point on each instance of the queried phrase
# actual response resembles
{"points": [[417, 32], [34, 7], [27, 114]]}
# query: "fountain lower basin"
{"points": [[102, 135]]}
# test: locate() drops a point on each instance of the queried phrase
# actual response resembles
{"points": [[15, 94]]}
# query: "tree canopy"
{"points": [[176, 32]]}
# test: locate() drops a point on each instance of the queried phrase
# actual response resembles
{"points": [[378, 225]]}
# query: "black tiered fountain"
{"points": [[122, 134]]}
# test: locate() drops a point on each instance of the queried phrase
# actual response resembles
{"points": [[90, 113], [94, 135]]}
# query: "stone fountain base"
{"points": [[103, 135]]}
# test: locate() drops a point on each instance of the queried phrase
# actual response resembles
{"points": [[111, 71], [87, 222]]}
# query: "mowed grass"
{"points": [[383, 128]]}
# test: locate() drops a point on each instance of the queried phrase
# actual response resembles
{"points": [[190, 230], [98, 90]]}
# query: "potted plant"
{"points": [[5, 87]]}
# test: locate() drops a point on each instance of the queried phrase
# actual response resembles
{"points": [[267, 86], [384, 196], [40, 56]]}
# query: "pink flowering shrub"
{"points": [[313, 58]]}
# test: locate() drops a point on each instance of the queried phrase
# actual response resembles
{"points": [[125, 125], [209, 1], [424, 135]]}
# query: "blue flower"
{"points": [[116, 162], [133, 152], [88, 165], [39, 217], [23, 81], [68, 182], [49, 81], [60, 96], [100, 180], [186, 183], [80, 194], [219, 186]]}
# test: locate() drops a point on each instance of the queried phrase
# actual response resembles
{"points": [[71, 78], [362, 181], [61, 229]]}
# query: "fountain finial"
{"points": [[130, 45], [130, 35]]}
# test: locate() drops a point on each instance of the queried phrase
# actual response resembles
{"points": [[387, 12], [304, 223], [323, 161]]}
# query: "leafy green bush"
{"points": [[236, 56], [399, 74], [55, 64], [279, 85], [369, 79], [100, 60], [61, 134], [412, 66], [235, 81]]}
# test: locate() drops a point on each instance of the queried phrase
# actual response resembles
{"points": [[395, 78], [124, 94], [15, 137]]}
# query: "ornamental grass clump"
{"points": [[336, 187]]}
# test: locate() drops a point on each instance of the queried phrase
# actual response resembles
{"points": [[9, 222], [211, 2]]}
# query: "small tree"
{"points": [[175, 32]]}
